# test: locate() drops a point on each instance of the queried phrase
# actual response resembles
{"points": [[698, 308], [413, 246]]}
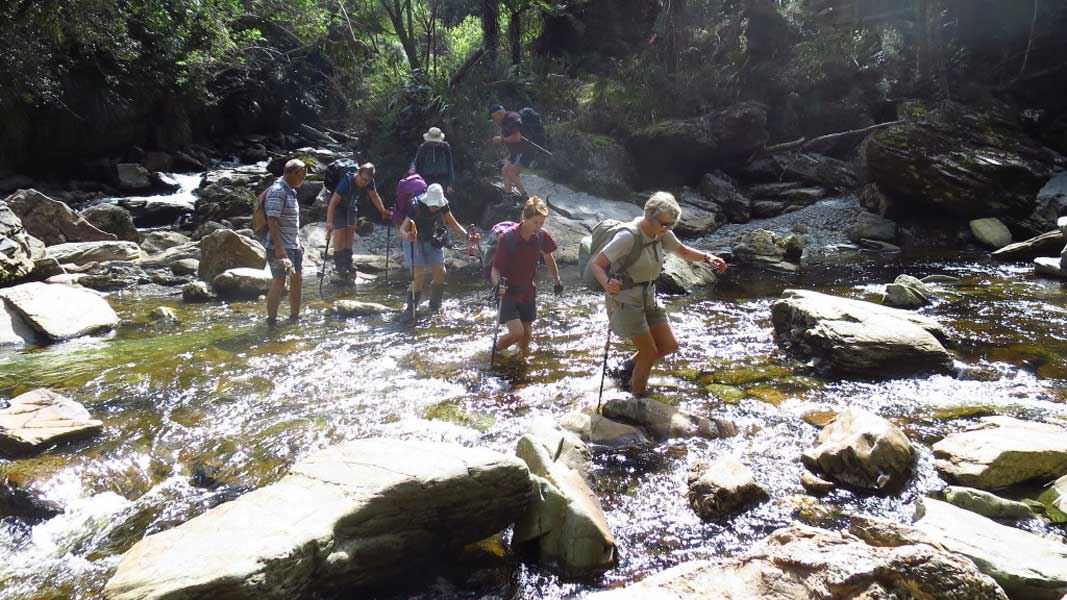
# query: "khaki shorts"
{"points": [[631, 320]]}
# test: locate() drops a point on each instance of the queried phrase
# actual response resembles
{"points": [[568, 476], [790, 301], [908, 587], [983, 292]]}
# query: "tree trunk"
{"points": [[676, 38], [515, 37], [491, 30], [404, 31]]}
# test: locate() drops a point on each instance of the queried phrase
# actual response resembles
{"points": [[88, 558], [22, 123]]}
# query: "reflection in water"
{"points": [[198, 413]]}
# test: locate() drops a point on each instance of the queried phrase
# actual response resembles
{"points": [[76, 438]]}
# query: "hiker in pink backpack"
{"points": [[517, 251]]}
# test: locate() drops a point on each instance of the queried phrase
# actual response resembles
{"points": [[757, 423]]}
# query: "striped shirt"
{"points": [[281, 202]]}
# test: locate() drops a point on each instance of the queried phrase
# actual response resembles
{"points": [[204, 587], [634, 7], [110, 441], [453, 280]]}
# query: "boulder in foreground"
{"points": [[42, 418], [350, 516], [60, 312], [1000, 451]]}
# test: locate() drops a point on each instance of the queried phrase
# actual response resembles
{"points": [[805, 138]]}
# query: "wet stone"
{"points": [[1001, 451], [986, 504], [722, 488], [595, 429], [861, 449], [61, 312], [663, 421], [41, 418]]}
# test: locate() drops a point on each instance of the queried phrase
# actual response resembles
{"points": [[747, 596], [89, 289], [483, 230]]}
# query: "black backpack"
{"points": [[533, 128], [338, 170]]}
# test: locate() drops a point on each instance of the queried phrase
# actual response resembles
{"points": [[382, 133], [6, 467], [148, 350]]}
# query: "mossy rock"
{"points": [[452, 412], [726, 393], [745, 373], [766, 393], [966, 411]]}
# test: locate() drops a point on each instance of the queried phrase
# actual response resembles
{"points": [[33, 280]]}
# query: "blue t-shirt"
{"points": [[351, 193]]}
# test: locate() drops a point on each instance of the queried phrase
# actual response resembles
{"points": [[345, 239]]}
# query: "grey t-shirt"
{"points": [[649, 263], [281, 202]]}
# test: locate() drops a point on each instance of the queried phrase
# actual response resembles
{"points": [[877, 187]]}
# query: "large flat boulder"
{"points": [[580, 206], [1046, 244], [1001, 451], [16, 247], [60, 312], [226, 249], [853, 336], [350, 516], [805, 563], [861, 449], [52, 221], [1027, 566], [595, 163], [158, 211], [238, 284], [14, 330], [83, 253], [42, 418]]}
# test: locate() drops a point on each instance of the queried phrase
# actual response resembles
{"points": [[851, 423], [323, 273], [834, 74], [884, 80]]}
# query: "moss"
{"points": [[451, 412], [745, 373], [726, 393], [819, 418], [769, 394], [949, 413]]}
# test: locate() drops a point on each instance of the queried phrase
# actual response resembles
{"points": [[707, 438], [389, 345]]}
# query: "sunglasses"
{"points": [[667, 225]]}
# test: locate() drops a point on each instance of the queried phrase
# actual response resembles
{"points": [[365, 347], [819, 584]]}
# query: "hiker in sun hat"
{"points": [[433, 160], [425, 234]]}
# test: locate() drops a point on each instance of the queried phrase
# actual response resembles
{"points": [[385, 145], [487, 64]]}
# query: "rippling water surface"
{"points": [[200, 412]]}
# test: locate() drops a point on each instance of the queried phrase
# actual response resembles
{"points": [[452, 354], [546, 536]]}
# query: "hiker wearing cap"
{"points": [[517, 253], [433, 160], [519, 155], [633, 310], [284, 253], [428, 215], [342, 213]]}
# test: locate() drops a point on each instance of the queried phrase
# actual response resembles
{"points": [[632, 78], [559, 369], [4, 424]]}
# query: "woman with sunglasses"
{"points": [[633, 310]]}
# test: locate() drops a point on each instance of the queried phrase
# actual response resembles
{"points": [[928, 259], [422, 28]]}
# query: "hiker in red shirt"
{"points": [[516, 261]]}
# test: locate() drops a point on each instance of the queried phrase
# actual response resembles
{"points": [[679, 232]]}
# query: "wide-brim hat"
{"points": [[434, 196], [434, 134]]}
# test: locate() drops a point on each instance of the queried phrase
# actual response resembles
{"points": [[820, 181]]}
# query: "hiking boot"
{"points": [[413, 303], [437, 293]]}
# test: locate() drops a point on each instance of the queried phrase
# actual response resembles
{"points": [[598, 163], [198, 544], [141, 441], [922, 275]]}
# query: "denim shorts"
{"points": [[296, 256], [425, 254]]}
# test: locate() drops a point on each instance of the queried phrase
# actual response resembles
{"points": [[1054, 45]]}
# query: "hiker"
{"points": [[284, 254], [342, 212], [633, 310], [517, 252], [433, 160], [520, 155], [429, 214]]}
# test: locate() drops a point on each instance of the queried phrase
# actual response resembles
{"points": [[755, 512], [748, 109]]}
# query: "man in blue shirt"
{"points": [[284, 254]]}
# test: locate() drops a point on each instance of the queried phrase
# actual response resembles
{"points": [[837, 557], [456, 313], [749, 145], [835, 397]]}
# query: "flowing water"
{"points": [[197, 413]]}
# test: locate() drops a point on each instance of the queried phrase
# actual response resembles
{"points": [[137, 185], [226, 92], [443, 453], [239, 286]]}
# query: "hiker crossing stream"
{"points": [[205, 409]]}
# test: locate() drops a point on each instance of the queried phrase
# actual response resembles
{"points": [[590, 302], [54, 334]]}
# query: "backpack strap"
{"points": [[634, 254]]}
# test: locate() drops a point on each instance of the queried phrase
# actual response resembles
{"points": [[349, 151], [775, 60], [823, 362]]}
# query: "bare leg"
{"points": [[296, 285], [527, 333], [274, 297], [647, 355]]}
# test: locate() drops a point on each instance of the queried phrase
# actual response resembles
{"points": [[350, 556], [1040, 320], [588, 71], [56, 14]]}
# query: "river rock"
{"points": [[25, 505], [600, 431], [355, 308], [1001, 451], [225, 249], [1046, 244], [14, 330], [861, 449], [809, 167], [1054, 500], [564, 518], [991, 232], [680, 276], [663, 421], [51, 221], [158, 211], [350, 516], [806, 563], [41, 418], [113, 219], [722, 488], [580, 206], [16, 251], [241, 283], [83, 253], [907, 292], [165, 259], [564, 446], [700, 216], [157, 242], [1061, 224], [1028, 567], [815, 485], [853, 336], [1051, 267], [871, 226], [197, 292], [767, 209], [986, 504], [1051, 201], [164, 314], [765, 248], [60, 312], [959, 162], [595, 163], [218, 202], [132, 177], [720, 190], [186, 267], [676, 151]]}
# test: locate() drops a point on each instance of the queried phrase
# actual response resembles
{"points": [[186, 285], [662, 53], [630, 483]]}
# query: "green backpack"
{"points": [[603, 232]]}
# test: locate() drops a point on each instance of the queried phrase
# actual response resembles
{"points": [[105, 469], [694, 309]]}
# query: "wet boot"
{"points": [[413, 303], [437, 292]]}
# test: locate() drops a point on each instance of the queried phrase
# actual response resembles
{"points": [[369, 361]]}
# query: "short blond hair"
{"points": [[368, 169], [660, 203], [534, 206], [294, 165]]}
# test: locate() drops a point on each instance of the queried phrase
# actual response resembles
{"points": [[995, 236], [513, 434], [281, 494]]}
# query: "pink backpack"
{"points": [[406, 189]]}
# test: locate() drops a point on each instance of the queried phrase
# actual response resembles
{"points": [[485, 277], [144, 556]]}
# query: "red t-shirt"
{"points": [[516, 259]]}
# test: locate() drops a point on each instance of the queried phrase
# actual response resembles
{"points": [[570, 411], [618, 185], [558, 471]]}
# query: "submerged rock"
{"points": [[1028, 567], [861, 449], [806, 563], [1000, 451], [722, 488], [986, 504], [41, 418], [347, 517], [663, 421], [355, 308], [60, 312], [853, 336], [52, 221]]}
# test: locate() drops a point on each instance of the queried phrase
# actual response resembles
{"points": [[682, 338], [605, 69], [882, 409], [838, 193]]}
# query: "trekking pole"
{"points": [[496, 326], [414, 249], [388, 244], [322, 269], [534, 144], [607, 344]]}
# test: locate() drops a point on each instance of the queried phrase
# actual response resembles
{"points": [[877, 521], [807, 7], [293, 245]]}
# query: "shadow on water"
{"points": [[199, 412]]}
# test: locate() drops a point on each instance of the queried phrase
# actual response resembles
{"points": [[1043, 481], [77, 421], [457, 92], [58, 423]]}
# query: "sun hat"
{"points": [[434, 134], [435, 196]]}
